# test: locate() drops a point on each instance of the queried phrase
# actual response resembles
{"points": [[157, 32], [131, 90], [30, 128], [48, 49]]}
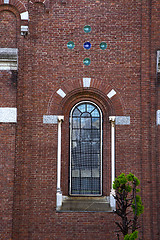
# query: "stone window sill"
{"points": [[85, 204]]}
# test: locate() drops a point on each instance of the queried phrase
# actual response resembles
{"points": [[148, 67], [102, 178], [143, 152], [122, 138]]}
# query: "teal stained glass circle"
{"points": [[87, 29], [103, 45], [70, 45], [86, 61]]}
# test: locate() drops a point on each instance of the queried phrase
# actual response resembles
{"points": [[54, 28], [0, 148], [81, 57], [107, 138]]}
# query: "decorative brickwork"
{"points": [[50, 80]]}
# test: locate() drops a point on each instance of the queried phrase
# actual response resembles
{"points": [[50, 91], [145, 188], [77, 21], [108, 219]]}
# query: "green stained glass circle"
{"points": [[70, 45], [86, 61], [87, 29], [103, 45]]}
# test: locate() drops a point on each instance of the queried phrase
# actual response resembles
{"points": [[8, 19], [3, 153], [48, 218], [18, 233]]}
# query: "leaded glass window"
{"points": [[86, 149]]}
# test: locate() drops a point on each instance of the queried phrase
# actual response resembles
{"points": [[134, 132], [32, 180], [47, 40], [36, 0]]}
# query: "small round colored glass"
{"points": [[87, 45], [87, 29], [103, 45], [86, 61], [70, 45]]}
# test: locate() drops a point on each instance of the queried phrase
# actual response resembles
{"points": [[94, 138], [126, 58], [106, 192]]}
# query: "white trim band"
{"points": [[158, 61], [158, 117], [112, 200], [59, 192]]}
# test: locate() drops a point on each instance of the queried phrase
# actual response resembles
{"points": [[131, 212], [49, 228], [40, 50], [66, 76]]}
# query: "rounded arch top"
{"points": [[102, 94], [19, 10], [16, 3], [90, 108]]}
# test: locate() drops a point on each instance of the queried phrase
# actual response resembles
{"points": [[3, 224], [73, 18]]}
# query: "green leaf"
{"points": [[131, 236]]}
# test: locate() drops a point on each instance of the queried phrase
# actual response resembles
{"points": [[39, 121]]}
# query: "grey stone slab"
{"points": [[158, 117], [86, 82], [122, 120], [86, 204], [8, 115], [50, 119], [158, 61], [8, 58]]}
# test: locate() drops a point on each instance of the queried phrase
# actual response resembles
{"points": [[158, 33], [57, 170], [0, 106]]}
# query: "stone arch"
{"points": [[73, 90], [8, 29], [16, 3], [103, 95], [20, 11]]}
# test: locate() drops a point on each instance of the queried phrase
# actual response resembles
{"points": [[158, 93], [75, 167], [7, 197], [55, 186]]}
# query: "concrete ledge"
{"points": [[8, 58], [85, 204]]}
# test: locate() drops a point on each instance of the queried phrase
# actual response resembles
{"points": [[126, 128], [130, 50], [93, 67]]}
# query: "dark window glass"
{"points": [[85, 149]]}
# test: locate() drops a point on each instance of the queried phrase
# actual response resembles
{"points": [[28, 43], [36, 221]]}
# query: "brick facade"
{"points": [[28, 157]]}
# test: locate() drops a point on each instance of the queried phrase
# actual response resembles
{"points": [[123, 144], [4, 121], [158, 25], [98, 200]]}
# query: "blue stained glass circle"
{"points": [[87, 45]]}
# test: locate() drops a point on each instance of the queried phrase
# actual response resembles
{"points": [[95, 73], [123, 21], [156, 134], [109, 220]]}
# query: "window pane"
{"points": [[76, 123], [95, 123], [82, 107], [85, 122], [76, 112], [86, 134], [76, 134], [95, 113], [86, 150], [90, 108]]}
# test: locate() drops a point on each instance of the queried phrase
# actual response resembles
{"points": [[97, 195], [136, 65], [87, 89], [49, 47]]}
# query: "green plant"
{"points": [[128, 204], [131, 236]]}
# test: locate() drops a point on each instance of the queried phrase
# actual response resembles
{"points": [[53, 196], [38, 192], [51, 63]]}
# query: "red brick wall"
{"points": [[131, 31], [7, 160], [8, 29], [8, 90]]}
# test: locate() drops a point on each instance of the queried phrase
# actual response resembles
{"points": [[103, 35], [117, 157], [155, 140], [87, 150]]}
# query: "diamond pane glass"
{"points": [[85, 150]]}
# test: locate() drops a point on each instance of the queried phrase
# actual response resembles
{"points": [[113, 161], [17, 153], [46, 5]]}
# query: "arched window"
{"points": [[86, 149]]}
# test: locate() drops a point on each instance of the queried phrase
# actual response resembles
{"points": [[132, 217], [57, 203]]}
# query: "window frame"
{"points": [[101, 148]]}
